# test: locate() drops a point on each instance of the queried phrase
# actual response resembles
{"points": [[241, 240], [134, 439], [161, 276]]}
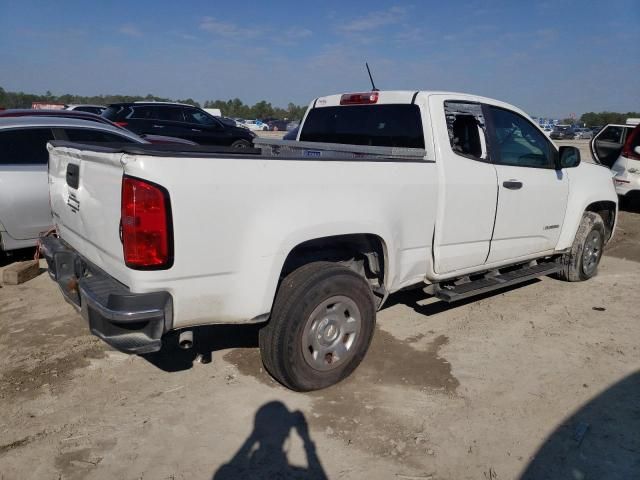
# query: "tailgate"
{"points": [[85, 190]]}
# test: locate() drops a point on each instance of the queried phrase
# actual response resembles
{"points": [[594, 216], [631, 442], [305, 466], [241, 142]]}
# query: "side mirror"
{"points": [[569, 157], [637, 150]]}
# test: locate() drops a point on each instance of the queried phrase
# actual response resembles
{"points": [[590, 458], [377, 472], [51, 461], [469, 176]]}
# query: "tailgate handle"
{"points": [[73, 175], [512, 184]]}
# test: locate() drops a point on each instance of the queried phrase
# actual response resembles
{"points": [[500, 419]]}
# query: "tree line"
{"points": [[263, 109], [236, 108], [230, 108], [593, 119]]}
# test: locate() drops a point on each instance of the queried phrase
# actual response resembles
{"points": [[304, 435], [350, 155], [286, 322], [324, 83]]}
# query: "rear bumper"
{"points": [[129, 322]]}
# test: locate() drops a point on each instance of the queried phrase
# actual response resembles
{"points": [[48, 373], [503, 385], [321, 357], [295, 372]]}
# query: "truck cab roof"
{"points": [[408, 97]]}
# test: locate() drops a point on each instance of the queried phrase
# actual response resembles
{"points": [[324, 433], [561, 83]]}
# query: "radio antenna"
{"points": [[373, 85]]}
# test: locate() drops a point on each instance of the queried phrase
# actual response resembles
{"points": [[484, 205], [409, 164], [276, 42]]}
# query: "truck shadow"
{"points": [[212, 338], [264, 453], [600, 440]]}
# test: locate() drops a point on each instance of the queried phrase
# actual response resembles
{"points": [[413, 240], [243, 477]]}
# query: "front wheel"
{"points": [[320, 328], [581, 262]]}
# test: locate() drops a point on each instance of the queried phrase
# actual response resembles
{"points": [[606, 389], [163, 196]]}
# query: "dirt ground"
{"points": [[540, 381]]}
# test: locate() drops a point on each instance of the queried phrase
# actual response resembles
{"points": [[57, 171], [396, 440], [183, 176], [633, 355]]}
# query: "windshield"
{"points": [[375, 125]]}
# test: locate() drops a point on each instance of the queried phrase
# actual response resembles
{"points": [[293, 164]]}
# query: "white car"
{"points": [[255, 125], [24, 195], [456, 193], [621, 143], [96, 109], [583, 134]]}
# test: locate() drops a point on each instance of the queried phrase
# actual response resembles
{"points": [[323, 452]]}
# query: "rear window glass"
{"points": [[88, 135], [117, 112], [24, 147], [375, 125]]}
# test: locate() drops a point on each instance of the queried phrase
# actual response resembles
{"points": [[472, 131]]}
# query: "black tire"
{"points": [[574, 268], [300, 295], [241, 144]]}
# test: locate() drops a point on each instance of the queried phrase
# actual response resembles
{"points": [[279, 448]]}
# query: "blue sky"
{"points": [[549, 57]]}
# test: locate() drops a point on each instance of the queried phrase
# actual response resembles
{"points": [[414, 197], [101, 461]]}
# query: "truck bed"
{"points": [[237, 214]]}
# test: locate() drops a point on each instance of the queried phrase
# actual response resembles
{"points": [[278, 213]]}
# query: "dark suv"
{"points": [[562, 132], [177, 120]]}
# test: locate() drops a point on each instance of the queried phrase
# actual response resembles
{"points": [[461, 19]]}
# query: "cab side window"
{"points": [[466, 128], [517, 142]]}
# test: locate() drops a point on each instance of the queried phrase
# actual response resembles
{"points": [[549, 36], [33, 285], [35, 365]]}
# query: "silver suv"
{"points": [[24, 190]]}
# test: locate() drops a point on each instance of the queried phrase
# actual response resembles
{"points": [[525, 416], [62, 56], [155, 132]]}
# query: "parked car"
{"points": [[256, 125], [300, 238], [92, 117], [292, 125], [77, 114], [621, 143], [177, 120], [24, 197], [583, 134], [278, 125], [562, 132], [608, 143], [291, 134], [547, 130], [96, 109]]}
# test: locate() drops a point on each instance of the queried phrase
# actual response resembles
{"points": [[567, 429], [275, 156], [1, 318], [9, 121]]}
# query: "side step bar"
{"points": [[454, 293]]}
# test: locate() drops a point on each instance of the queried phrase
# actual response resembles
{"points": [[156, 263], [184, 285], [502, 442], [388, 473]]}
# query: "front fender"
{"points": [[588, 184]]}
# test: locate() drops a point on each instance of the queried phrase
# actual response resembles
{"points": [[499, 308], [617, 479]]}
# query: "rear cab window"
{"points": [[381, 125]]}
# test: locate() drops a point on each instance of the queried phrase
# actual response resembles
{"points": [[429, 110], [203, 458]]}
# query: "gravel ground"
{"points": [[539, 381]]}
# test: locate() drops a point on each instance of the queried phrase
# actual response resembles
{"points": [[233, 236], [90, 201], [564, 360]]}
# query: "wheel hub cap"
{"points": [[592, 252], [331, 332]]}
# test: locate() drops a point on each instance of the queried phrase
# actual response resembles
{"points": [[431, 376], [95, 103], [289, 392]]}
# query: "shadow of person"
{"points": [[600, 440], [263, 454]]}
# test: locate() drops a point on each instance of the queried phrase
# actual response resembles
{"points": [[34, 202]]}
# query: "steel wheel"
{"points": [[592, 252], [331, 332]]}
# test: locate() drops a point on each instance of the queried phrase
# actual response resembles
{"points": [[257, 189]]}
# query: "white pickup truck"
{"points": [[381, 191]]}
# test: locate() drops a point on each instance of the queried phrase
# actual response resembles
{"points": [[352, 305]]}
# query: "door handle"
{"points": [[195, 130], [512, 184], [158, 126]]}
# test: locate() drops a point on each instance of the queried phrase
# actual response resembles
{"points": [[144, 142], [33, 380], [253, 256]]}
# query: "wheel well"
{"points": [[364, 253], [607, 210]]}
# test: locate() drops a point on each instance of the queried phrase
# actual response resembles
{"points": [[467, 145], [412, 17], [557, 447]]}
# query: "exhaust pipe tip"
{"points": [[185, 340]]}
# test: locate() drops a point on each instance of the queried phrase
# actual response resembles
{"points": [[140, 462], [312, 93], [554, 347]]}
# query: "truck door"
{"points": [[468, 186], [24, 192], [532, 194]]}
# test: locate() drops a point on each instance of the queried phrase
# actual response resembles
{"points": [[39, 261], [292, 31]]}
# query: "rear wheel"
{"points": [[241, 144], [320, 328], [581, 262]]}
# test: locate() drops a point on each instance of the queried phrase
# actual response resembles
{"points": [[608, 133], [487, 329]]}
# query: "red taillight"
{"points": [[632, 139], [121, 124], [146, 225], [359, 98]]}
